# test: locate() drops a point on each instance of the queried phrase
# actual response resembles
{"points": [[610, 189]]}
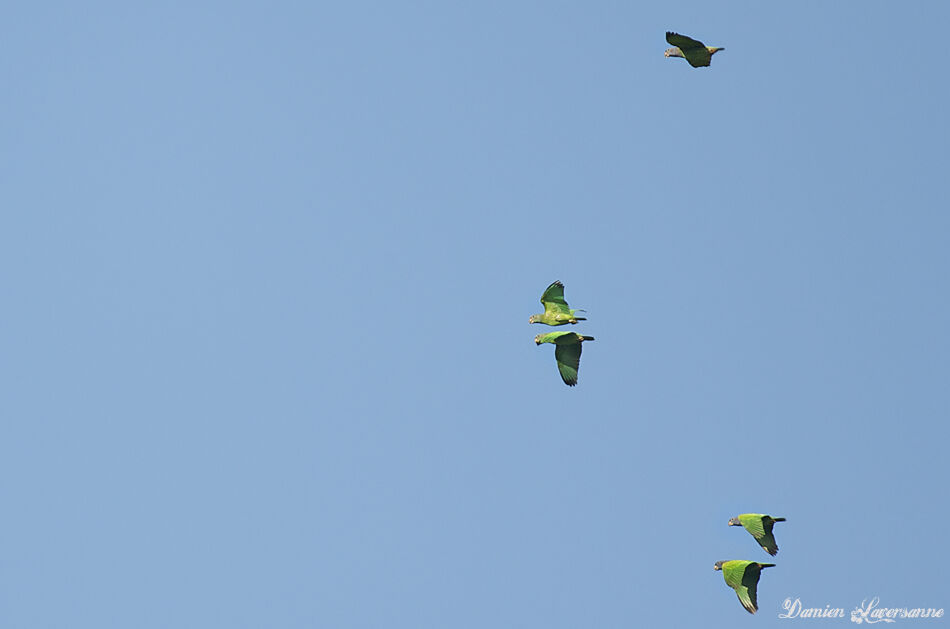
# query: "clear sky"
{"points": [[267, 270]]}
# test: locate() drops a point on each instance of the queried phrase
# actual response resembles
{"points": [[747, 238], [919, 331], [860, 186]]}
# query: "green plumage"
{"points": [[743, 577], [695, 52], [556, 310], [567, 352], [759, 526]]}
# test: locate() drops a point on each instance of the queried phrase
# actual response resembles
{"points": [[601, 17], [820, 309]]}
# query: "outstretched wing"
{"points": [[695, 52], [553, 300], [768, 544], [734, 572], [748, 591], [752, 522], [760, 526], [568, 357], [683, 42], [747, 598]]}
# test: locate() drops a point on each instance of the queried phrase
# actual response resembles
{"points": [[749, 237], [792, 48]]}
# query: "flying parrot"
{"points": [[695, 52], [567, 352], [759, 526], [556, 311], [743, 577]]}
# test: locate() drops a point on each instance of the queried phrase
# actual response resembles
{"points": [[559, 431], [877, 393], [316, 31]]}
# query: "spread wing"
{"points": [[760, 526], [697, 55], [553, 300], [747, 598], [735, 574], [683, 42], [753, 523], [748, 591], [568, 357], [768, 544]]}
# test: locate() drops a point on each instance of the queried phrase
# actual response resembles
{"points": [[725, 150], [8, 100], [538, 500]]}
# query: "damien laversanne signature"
{"points": [[868, 611]]}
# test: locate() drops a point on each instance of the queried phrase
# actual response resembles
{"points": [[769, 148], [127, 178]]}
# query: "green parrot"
{"points": [[759, 526], [567, 352], [695, 52], [743, 577], [556, 311]]}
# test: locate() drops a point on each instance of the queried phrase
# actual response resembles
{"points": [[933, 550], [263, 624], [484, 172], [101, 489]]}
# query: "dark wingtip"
{"points": [[772, 552], [778, 519]]}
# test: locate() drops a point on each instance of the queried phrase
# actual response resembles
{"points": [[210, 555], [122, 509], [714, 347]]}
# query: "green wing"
{"points": [[752, 522], [732, 572], [736, 575], [683, 42], [748, 591], [553, 300], [695, 52], [568, 357], [556, 310], [768, 542], [760, 526]]}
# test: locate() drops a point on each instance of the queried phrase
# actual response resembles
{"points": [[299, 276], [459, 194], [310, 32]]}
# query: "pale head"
{"points": [[734, 522], [673, 52], [718, 565]]}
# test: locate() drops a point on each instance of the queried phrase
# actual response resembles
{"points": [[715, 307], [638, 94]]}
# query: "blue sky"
{"points": [[268, 271]]}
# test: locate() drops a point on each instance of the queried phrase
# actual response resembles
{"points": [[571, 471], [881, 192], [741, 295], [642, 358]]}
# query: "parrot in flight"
{"points": [[567, 352], [556, 311], [743, 577], [759, 526], [695, 52]]}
